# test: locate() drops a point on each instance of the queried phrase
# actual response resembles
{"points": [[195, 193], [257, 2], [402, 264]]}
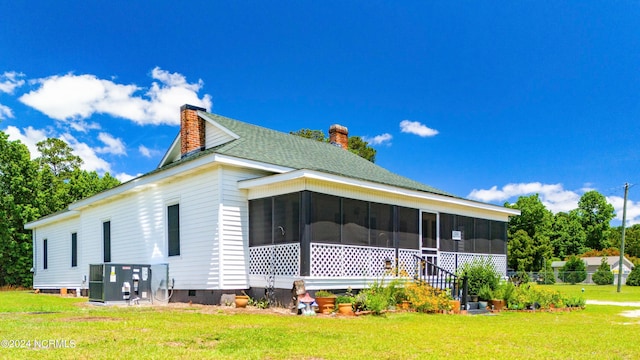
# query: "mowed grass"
{"points": [[194, 332]]}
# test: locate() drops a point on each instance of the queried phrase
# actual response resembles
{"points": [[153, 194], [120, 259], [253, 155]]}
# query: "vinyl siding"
{"points": [[59, 272]]}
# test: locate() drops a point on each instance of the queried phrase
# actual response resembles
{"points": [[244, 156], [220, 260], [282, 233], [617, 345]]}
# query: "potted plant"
{"points": [[326, 301], [485, 294], [242, 300], [345, 304], [497, 301]]}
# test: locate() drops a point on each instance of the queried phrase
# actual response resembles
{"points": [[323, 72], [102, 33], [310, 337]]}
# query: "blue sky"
{"points": [[489, 100]]}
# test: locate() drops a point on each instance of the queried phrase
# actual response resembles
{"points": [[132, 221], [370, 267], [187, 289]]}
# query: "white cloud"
{"points": [[5, 112], [92, 162], [633, 209], [123, 177], [114, 146], [148, 153], [78, 97], [553, 196], [383, 139], [30, 138], [10, 80], [83, 126], [416, 128]]}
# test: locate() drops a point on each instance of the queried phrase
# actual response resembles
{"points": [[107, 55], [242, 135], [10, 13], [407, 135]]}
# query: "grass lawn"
{"points": [[600, 292], [193, 332]]}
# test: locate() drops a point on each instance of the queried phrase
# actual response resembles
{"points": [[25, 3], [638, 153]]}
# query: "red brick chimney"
{"points": [[339, 135], [191, 130]]}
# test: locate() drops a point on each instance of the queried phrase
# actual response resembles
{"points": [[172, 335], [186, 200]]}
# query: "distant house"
{"points": [[593, 263], [234, 206]]}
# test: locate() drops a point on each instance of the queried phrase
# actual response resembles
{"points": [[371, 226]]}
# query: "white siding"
{"points": [[59, 272], [214, 136], [234, 230], [213, 232]]}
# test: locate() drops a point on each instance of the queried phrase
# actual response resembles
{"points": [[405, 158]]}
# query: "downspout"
{"points": [[34, 256]]}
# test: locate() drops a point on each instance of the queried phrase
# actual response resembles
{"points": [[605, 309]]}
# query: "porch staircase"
{"points": [[441, 279]]}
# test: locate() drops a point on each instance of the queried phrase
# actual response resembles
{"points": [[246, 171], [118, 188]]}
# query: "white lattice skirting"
{"points": [[285, 258], [332, 260], [447, 260]]}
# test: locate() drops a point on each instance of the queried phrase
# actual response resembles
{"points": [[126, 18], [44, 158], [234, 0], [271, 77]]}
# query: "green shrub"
{"points": [[603, 276], [479, 272], [485, 293], [574, 271], [634, 277], [324, 293], [546, 276]]}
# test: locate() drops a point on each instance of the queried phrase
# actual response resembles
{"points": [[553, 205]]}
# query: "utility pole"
{"points": [[624, 221]]}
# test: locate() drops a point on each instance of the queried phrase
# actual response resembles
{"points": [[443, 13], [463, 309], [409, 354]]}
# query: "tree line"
{"points": [[33, 188], [537, 236]]}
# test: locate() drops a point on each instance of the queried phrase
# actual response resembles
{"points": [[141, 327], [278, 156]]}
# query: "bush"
{"points": [[425, 298], [634, 277], [603, 276], [479, 272], [574, 271]]}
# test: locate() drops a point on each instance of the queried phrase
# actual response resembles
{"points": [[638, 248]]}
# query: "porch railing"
{"points": [[440, 278]]}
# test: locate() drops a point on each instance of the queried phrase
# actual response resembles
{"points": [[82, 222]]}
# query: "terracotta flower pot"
{"points": [[242, 301], [345, 309], [498, 305], [326, 304]]}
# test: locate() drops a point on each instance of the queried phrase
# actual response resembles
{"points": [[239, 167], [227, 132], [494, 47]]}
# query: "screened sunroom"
{"points": [[336, 242]]}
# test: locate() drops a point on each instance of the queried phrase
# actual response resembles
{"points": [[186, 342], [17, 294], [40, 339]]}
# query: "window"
{"points": [[355, 222], [45, 264], [408, 228], [325, 218], [381, 225], [173, 226], [74, 249], [106, 241]]}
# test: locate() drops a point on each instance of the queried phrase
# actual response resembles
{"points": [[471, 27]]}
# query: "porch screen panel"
{"points": [[260, 220], [429, 239], [482, 243], [498, 237], [466, 225], [286, 215], [408, 228], [446, 227], [381, 225], [355, 219], [325, 218]]}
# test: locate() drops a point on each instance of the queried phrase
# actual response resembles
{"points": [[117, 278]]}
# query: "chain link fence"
{"points": [[563, 277]]}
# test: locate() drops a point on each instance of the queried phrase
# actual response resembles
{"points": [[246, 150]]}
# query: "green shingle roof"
{"points": [[273, 147]]}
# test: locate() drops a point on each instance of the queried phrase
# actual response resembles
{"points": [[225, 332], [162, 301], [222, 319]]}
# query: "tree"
{"points": [[18, 183], [356, 145], [529, 234], [30, 189], [58, 155], [631, 239], [634, 277], [573, 271], [362, 148], [595, 214], [603, 276], [567, 235]]}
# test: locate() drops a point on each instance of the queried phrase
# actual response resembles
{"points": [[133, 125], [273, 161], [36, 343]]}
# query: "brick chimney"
{"points": [[339, 135], [191, 130]]}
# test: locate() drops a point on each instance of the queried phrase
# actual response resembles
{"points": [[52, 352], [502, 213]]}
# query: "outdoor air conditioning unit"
{"points": [[120, 283]]}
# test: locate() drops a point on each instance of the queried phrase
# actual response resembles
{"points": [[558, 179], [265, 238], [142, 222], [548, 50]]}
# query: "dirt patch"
{"points": [[89, 319]]}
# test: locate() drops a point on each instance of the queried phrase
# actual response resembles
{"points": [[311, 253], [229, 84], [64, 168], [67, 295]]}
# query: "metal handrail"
{"points": [[440, 278]]}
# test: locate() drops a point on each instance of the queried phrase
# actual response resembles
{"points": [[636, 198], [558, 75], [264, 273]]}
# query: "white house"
{"points": [[234, 206]]}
